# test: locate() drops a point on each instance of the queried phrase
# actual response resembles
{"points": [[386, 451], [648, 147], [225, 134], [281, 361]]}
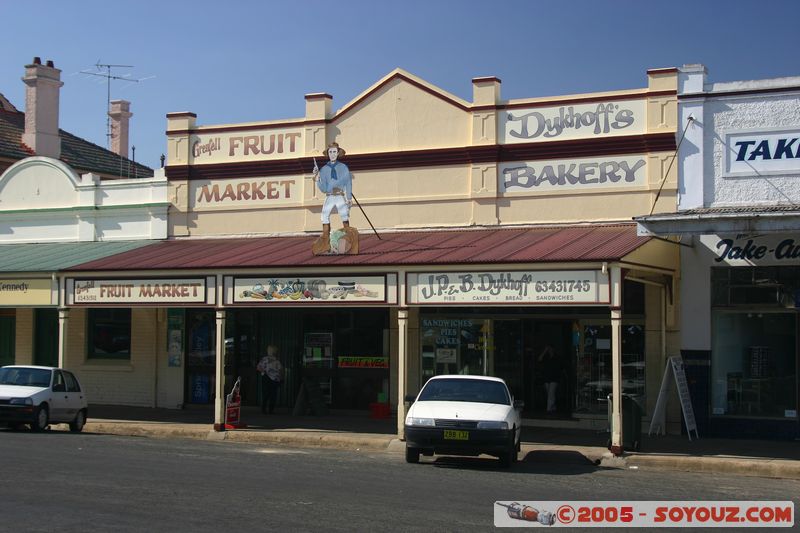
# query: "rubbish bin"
{"points": [[631, 423]]}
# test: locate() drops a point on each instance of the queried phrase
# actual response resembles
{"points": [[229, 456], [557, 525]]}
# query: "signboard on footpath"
{"points": [[21, 292], [567, 287], [166, 291]]}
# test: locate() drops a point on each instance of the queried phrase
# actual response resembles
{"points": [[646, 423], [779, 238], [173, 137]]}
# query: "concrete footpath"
{"points": [[761, 458]]}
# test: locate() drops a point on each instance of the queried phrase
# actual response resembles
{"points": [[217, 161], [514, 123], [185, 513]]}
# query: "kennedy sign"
{"points": [[23, 292], [574, 121], [568, 287], [140, 291], [572, 175], [760, 152]]}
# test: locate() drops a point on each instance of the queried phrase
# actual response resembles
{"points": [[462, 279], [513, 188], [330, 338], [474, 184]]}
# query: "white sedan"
{"points": [[39, 395], [464, 415]]}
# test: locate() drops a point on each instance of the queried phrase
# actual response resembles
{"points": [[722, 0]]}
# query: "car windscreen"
{"points": [[26, 377], [465, 390]]}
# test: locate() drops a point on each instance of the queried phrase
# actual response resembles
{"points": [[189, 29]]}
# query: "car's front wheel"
{"points": [[412, 454], [41, 418], [510, 455], [76, 426]]}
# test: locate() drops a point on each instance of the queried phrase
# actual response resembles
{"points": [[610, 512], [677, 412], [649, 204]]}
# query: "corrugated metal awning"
{"points": [[538, 244], [52, 257], [723, 219]]}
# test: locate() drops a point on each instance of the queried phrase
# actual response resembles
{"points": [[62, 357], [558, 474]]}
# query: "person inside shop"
{"points": [[271, 371], [549, 367]]}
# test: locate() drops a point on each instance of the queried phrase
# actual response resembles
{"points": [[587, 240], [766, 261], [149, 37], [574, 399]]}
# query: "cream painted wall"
{"points": [[114, 382], [404, 113], [23, 344], [401, 116]]}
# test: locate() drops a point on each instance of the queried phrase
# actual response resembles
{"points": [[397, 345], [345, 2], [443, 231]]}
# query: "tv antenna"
{"points": [[108, 77]]}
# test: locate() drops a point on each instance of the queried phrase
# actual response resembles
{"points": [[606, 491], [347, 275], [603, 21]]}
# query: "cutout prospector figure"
{"points": [[334, 179]]}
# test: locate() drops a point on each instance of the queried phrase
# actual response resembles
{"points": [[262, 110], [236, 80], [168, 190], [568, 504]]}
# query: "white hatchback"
{"points": [[39, 395], [464, 415]]}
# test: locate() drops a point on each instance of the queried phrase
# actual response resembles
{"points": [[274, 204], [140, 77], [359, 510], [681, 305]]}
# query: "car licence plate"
{"points": [[451, 434]]}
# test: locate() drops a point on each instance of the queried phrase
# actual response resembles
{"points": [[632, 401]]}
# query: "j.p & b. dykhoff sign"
{"points": [[139, 291], [573, 121], [762, 152], [568, 287], [753, 250]]}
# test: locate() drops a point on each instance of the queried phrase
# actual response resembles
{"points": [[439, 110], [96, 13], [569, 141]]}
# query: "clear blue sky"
{"points": [[243, 61]]}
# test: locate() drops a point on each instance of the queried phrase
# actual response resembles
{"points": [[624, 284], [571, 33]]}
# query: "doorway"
{"points": [[7, 340], [45, 340], [550, 360]]}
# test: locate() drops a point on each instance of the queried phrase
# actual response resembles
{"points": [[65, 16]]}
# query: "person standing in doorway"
{"points": [[271, 371], [550, 368]]}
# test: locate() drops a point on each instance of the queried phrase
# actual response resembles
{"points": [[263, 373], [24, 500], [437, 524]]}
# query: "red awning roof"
{"points": [[595, 242]]}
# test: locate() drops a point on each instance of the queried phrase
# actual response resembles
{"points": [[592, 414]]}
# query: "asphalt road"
{"points": [[62, 482]]}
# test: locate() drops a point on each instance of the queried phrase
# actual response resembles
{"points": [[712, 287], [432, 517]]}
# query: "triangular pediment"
{"points": [[402, 112]]}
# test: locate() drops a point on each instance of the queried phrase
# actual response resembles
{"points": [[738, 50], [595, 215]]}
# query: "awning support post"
{"points": [[616, 361], [402, 359], [219, 399]]}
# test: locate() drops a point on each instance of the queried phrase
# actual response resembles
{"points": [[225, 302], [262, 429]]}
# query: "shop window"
{"points": [[109, 333], [754, 363], [594, 369], [453, 346]]}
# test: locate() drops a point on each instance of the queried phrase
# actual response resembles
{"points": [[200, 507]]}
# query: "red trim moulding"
{"points": [[629, 144]]}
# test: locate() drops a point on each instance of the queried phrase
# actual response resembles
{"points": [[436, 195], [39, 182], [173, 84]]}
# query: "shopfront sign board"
{"points": [[537, 287], [753, 250], [148, 291], [311, 290], [762, 152], [21, 292]]}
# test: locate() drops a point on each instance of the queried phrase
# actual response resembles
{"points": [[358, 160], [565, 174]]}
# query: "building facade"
{"points": [[738, 217], [501, 227], [63, 201]]}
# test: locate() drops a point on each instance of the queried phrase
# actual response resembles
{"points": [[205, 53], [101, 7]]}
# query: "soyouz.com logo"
{"points": [[604, 514]]}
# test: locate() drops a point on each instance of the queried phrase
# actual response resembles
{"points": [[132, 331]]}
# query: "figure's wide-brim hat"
{"points": [[333, 145]]}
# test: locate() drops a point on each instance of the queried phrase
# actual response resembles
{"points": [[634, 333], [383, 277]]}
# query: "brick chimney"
{"points": [[120, 117], [41, 108]]}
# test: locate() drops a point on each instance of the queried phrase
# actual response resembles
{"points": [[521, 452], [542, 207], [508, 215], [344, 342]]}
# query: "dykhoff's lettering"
{"points": [[255, 190], [603, 119], [787, 148], [572, 174]]}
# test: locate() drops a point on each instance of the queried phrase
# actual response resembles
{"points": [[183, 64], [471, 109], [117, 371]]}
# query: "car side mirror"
{"points": [[410, 398], [518, 405]]}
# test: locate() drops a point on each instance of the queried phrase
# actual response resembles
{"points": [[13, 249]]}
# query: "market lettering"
{"points": [[169, 290], [603, 119], [256, 190], [262, 144], [763, 150], [572, 174]]}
